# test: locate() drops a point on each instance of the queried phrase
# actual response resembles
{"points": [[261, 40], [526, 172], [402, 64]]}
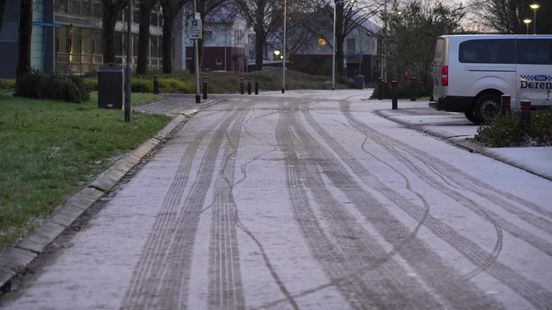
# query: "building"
{"points": [[67, 37], [225, 42], [360, 53]]}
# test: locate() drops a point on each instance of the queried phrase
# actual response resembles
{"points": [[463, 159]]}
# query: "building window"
{"points": [[74, 7], [61, 7], [97, 9]]}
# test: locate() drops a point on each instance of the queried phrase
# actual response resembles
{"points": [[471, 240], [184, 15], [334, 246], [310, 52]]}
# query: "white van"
{"points": [[471, 72]]}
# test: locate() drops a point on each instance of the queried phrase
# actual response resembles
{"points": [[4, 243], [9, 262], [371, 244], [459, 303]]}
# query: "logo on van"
{"points": [[536, 81]]}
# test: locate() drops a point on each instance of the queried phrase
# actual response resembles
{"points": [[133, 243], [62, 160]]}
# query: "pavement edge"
{"points": [[16, 259], [463, 143]]}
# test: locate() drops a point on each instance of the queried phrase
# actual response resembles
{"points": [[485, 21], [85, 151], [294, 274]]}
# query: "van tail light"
{"points": [[444, 76]]}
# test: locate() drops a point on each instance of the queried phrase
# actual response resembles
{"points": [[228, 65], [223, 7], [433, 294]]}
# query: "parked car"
{"points": [[471, 72]]}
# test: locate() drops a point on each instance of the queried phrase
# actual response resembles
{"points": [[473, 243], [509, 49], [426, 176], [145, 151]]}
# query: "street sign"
{"points": [[194, 29]]}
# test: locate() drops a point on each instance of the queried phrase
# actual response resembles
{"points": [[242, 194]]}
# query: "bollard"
{"points": [[248, 86], [242, 87], [505, 103], [156, 84], [394, 94], [256, 86], [204, 88], [413, 88], [525, 116], [380, 89]]}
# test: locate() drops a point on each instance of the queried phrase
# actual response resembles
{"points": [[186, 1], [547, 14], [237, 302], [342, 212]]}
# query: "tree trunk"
{"points": [[143, 36], [167, 44], [109, 20], [25, 33], [339, 38], [259, 46]]}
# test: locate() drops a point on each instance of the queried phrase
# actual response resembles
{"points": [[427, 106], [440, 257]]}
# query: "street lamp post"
{"points": [[284, 50], [383, 72], [196, 59], [128, 69], [534, 7], [333, 50], [527, 21]]}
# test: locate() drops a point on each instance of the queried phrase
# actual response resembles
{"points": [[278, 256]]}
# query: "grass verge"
{"points": [[505, 131], [51, 149]]}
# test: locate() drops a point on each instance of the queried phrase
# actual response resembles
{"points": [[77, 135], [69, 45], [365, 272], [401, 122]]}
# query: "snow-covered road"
{"points": [[308, 200]]}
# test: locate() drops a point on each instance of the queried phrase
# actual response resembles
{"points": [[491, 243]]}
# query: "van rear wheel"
{"points": [[486, 107], [469, 115]]}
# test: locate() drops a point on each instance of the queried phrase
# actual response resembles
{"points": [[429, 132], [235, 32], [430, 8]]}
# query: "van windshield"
{"points": [[439, 50]]}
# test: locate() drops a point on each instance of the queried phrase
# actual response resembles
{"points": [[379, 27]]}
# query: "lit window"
{"points": [[322, 42]]}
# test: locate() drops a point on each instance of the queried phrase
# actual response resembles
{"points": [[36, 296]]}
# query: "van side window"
{"points": [[493, 51], [534, 51]]}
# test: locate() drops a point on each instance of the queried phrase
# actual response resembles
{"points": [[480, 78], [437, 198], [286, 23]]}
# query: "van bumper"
{"points": [[453, 103]]}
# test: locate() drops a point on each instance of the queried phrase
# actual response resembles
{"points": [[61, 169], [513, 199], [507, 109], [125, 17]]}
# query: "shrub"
{"points": [[81, 86], [173, 85], [27, 84], [91, 84], [140, 85], [52, 86], [7, 84], [504, 131], [404, 88]]}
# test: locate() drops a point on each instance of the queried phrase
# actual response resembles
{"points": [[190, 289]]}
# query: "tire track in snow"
{"points": [[419, 256], [463, 181], [157, 246], [225, 285], [243, 168], [388, 285], [529, 290], [166, 286]]}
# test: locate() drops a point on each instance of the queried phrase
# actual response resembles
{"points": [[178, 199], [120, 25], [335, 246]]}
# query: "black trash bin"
{"points": [[111, 86], [359, 81]]}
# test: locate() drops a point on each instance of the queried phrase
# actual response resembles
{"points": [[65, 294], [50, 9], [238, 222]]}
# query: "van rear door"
{"points": [[534, 71], [438, 62]]}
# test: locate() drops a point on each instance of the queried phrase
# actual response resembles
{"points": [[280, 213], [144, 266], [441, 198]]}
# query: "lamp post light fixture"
{"points": [[277, 54], [527, 21], [534, 7]]}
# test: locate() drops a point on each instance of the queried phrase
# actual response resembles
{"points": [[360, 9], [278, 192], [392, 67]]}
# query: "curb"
{"points": [[16, 260], [464, 144]]}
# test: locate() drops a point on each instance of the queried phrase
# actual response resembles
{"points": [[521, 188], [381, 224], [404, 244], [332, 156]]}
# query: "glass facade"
{"points": [[78, 43]]}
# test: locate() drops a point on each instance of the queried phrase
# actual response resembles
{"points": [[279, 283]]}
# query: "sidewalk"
{"points": [[456, 129], [15, 260], [174, 104]]}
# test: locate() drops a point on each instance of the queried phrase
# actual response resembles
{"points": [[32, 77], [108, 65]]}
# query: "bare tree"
{"points": [[259, 14], [349, 15], [25, 33], [144, 7], [419, 25], [111, 10], [303, 25], [170, 8], [506, 16]]}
